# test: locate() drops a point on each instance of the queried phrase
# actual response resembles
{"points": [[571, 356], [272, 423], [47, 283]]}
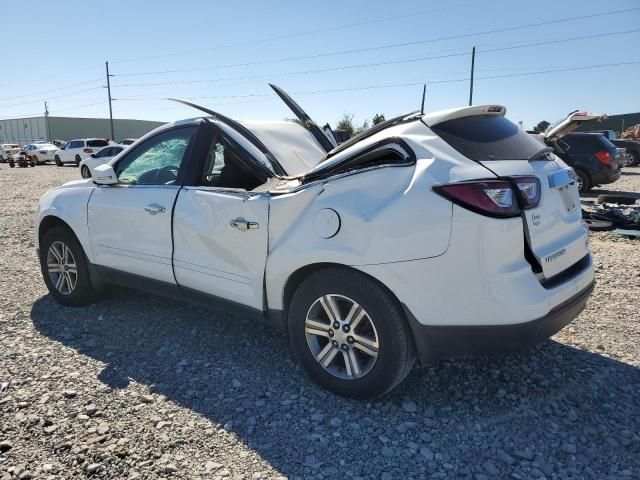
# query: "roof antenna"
{"points": [[424, 93]]}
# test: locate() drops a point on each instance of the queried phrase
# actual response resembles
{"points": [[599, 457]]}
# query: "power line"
{"points": [[51, 90], [292, 35], [374, 64], [51, 98], [300, 72], [39, 114], [391, 45], [253, 97], [399, 84]]}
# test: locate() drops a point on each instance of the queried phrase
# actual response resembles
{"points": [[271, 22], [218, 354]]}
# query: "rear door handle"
{"points": [[242, 224], [155, 208]]}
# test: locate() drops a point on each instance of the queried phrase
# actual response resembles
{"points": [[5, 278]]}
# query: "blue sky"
{"points": [[61, 57]]}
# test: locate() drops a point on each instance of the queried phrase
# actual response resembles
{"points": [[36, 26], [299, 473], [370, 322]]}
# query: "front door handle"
{"points": [[155, 208], [242, 224]]}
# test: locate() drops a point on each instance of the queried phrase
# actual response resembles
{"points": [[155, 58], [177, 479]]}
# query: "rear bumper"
{"points": [[436, 342], [606, 175]]}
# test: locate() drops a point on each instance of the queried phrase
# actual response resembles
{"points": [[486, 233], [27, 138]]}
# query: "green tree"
{"points": [[541, 126], [347, 124], [378, 118]]}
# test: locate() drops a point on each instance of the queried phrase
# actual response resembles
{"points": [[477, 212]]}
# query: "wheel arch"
{"points": [[50, 221], [301, 274]]}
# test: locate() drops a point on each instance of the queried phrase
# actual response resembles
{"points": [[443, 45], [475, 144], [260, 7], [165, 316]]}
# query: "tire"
{"points": [[584, 182], [2, 159], [635, 158], [12, 164], [78, 160], [35, 160], [58, 162], [620, 199], [599, 225], [84, 171], [66, 293], [383, 321]]}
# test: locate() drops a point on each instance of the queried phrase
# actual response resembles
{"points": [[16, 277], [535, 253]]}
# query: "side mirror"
{"points": [[104, 175], [93, 155]]}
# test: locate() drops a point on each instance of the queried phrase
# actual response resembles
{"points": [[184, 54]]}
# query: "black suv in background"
{"points": [[594, 158]]}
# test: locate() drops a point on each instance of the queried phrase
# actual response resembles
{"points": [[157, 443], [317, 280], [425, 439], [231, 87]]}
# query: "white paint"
{"points": [[326, 223]]}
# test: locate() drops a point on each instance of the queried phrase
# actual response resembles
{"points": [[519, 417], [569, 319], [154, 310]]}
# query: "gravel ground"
{"points": [[137, 386]]}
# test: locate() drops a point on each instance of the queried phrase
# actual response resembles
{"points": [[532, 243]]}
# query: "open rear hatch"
{"points": [[567, 125], [552, 220]]}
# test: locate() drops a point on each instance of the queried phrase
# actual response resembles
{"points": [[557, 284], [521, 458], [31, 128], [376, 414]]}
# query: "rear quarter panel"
{"points": [[387, 214]]}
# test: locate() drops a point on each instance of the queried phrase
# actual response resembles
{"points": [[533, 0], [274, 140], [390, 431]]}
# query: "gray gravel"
{"points": [[137, 386]]}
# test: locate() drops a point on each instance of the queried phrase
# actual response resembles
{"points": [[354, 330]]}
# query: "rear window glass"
{"points": [[487, 138], [587, 143], [97, 143]]}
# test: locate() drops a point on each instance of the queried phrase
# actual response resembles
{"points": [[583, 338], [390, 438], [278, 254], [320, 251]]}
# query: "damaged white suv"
{"points": [[433, 235]]}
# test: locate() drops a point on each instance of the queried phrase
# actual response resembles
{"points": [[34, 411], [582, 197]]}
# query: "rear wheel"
{"points": [[349, 334], [58, 162], [78, 160], [635, 158], [584, 183], [84, 171], [65, 268]]}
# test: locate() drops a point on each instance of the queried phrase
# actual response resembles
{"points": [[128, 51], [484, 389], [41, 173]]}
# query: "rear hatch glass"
{"points": [[487, 138], [97, 143]]}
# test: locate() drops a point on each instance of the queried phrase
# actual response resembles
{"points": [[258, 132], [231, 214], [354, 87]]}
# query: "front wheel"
{"points": [[350, 334], [65, 268], [84, 171], [58, 161]]}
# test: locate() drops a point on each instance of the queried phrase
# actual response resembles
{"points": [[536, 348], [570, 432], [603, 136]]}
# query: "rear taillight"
{"points": [[87, 150], [530, 193], [604, 157], [494, 198]]}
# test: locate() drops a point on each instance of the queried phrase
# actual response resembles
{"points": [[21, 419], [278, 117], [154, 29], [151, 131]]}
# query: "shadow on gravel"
{"points": [[555, 409]]}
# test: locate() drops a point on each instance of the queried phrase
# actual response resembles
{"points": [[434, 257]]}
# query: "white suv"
{"points": [[436, 235], [77, 150]]}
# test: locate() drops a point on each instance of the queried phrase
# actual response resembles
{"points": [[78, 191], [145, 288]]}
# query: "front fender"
{"points": [[69, 204]]}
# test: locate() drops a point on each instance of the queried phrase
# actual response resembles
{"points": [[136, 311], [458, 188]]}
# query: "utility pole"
{"points": [[113, 137], [473, 64], [46, 123]]}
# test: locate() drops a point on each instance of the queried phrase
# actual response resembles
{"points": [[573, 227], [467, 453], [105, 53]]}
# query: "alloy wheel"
{"points": [[61, 265], [341, 336]]}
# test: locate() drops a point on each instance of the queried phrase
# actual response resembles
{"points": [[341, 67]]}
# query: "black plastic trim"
{"points": [[102, 276], [567, 274], [437, 342], [355, 161]]}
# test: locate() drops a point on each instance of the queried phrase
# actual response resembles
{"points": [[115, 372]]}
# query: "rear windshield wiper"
{"points": [[541, 153]]}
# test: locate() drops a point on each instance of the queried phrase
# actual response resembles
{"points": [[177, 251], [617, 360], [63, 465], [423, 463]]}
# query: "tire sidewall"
{"points": [[84, 293], [383, 311], [84, 169], [586, 185]]}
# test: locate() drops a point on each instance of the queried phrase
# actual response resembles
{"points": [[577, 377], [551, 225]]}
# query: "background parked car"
{"points": [[7, 150], [41, 152], [76, 150], [102, 156], [594, 158], [127, 141], [632, 147]]}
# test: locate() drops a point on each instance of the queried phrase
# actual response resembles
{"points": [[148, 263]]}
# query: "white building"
{"points": [[26, 130]]}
